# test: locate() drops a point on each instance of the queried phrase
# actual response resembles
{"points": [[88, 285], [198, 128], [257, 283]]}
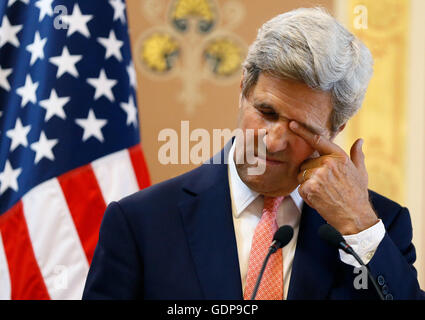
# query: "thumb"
{"points": [[357, 155]]}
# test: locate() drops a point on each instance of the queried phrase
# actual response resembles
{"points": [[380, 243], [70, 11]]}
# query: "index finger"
{"points": [[318, 142]]}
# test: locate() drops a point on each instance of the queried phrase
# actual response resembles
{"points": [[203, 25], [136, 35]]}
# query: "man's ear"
{"points": [[342, 127], [335, 133], [240, 86]]}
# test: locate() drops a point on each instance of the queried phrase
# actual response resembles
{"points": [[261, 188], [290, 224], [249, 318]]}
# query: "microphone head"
{"points": [[283, 235], [330, 235]]}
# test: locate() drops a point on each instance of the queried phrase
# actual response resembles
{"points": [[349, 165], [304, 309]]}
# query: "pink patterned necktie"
{"points": [[271, 287]]}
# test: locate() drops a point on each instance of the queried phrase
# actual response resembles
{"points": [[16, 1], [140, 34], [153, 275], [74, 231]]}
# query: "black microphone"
{"points": [[280, 239], [334, 238]]}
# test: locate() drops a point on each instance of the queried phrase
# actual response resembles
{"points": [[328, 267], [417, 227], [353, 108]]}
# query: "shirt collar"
{"points": [[242, 195]]}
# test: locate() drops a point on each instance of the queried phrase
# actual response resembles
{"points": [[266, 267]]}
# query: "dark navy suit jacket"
{"points": [[176, 240]]}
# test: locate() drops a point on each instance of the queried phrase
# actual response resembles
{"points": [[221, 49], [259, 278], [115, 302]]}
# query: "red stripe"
{"points": [[86, 204], [139, 166], [25, 276]]}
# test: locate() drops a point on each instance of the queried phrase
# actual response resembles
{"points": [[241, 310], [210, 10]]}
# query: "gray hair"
{"points": [[310, 46]]}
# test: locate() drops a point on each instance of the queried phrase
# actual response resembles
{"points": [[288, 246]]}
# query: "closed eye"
{"points": [[267, 111]]}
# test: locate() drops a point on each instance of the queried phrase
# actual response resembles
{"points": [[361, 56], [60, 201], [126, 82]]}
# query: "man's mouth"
{"points": [[271, 161]]}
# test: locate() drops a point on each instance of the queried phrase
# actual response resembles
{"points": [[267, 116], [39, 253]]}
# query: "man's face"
{"points": [[271, 105]]}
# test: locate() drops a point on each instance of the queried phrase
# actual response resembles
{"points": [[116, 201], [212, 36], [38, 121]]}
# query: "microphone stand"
{"points": [[272, 250]]}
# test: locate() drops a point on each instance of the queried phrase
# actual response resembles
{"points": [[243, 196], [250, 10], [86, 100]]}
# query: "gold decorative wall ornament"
{"points": [[192, 43], [203, 10], [158, 51], [224, 55]]}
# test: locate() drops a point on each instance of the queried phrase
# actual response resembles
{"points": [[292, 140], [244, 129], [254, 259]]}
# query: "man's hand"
{"points": [[335, 184]]}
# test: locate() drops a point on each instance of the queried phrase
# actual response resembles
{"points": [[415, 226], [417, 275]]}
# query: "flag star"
{"points": [[119, 9], [8, 33], [66, 63], [103, 86], [131, 110], [112, 46], [43, 148], [45, 7], [132, 74], [4, 83], [11, 2], [9, 178], [77, 22], [36, 48], [54, 106], [27, 92], [92, 126], [18, 135]]}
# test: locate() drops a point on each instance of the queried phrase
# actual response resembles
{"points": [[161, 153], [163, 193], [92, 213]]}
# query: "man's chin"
{"points": [[276, 193], [268, 184]]}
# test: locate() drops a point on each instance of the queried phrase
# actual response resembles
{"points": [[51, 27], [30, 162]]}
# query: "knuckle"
{"points": [[322, 173], [345, 158], [311, 187], [315, 187], [329, 163]]}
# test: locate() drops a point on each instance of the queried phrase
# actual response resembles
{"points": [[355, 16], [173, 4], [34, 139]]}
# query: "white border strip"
{"points": [[416, 132]]}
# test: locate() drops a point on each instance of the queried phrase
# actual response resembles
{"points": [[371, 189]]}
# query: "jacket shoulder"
{"points": [[166, 194]]}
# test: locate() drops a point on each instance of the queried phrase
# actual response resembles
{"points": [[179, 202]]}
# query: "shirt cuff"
{"points": [[364, 244]]}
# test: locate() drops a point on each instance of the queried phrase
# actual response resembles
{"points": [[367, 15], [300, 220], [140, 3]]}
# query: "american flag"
{"points": [[69, 139]]}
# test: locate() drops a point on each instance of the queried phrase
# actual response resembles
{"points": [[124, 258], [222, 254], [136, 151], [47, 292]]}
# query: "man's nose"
{"points": [[277, 137]]}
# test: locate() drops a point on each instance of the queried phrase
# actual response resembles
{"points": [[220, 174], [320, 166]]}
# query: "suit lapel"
{"points": [[208, 223], [315, 262]]}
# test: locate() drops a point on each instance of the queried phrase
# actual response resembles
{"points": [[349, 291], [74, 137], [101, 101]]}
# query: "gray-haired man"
{"points": [[204, 235]]}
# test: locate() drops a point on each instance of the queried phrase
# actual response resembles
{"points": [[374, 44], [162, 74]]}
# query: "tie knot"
{"points": [[272, 203]]}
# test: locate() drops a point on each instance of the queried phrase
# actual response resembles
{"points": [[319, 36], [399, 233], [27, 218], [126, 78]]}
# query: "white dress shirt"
{"points": [[247, 207]]}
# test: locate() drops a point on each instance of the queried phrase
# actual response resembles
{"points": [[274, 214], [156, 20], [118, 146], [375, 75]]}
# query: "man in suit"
{"points": [[204, 235]]}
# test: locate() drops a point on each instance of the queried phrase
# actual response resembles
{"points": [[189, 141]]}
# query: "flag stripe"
{"points": [[139, 165], [55, 241], [115, 176], [86, 211], [5, 287], [25, 276]]}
